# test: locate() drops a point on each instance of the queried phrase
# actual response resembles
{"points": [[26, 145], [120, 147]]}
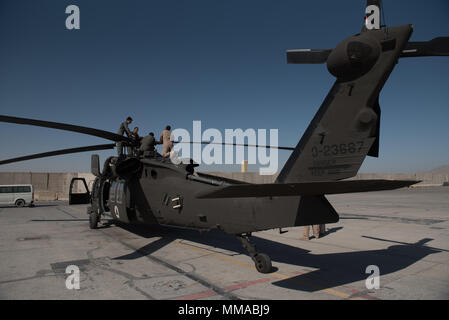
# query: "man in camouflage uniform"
{"points": [[123, 128]]}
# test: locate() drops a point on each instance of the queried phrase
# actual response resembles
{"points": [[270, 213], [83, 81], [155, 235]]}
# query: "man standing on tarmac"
{"points": [[123, 128]]}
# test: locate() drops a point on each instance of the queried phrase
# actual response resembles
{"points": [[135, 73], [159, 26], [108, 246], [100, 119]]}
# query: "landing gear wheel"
{"points": [[93, 220], [261, 260], [263, 263]]}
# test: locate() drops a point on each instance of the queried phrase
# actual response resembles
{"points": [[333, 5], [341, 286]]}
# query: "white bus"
{"points": [[17, 194]]}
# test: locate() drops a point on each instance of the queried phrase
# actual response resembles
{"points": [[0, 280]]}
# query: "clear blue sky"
{"points": [[221, 62]]}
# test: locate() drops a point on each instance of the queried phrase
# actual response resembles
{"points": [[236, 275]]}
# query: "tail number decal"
{"points": [[337, 149]]}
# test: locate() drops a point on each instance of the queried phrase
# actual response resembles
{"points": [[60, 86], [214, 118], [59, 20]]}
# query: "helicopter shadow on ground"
{"points": [[332, 269], [337, 269], [331, 230]]}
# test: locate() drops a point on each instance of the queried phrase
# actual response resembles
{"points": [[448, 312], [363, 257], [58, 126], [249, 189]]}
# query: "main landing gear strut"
{"points": [[261, 260]]}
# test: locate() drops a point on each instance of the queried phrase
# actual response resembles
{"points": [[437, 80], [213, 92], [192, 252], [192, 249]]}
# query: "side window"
{"points": [[21, 189], [2, 189]]}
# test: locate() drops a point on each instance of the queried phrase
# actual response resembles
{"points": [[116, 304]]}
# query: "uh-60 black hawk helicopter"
{"points": [[153, 190]]}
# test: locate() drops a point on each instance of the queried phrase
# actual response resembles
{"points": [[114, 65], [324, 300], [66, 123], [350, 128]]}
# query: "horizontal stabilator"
{"points": [[303, 189]]}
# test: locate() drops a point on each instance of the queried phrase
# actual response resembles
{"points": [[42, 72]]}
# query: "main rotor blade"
{"points": [[60, 152], [436, 47], [67, 127], [236, 144]]}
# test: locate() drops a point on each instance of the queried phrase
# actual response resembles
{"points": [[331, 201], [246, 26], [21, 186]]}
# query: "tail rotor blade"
{"points": [[307, 56], [436, 47]]}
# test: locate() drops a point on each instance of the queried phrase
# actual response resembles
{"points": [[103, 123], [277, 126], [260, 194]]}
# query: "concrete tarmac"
{"points": [[404, 233]]}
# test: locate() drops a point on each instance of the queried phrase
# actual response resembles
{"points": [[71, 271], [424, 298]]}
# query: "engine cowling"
{"points": [[126, 168]]}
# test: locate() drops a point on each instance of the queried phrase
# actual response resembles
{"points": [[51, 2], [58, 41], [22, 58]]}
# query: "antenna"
{"points": [[383, 22]]}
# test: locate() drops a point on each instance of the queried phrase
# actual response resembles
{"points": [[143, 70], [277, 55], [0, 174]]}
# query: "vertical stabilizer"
{"points": [[373, 12], [346, 127]]}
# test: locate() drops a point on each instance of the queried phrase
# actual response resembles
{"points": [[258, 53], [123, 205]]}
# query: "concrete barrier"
{"points": [[45, 196], [48, 186], [55, 186]]}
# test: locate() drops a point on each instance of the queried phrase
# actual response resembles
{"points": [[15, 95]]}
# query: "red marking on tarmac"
{"points": [[297, 273], [230, 288], [246, 284], [364, 296], [198, 295]]}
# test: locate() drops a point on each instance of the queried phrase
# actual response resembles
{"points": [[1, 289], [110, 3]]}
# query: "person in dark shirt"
{"points": [[135, 133], [136, 138], [147, 145]]}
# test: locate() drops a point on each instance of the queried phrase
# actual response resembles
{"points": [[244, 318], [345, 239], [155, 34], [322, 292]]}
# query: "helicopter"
{"points": [[153, 190]]}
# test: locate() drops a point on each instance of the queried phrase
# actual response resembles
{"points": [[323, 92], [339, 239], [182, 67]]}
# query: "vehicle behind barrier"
{"points": [[17, 194]]}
